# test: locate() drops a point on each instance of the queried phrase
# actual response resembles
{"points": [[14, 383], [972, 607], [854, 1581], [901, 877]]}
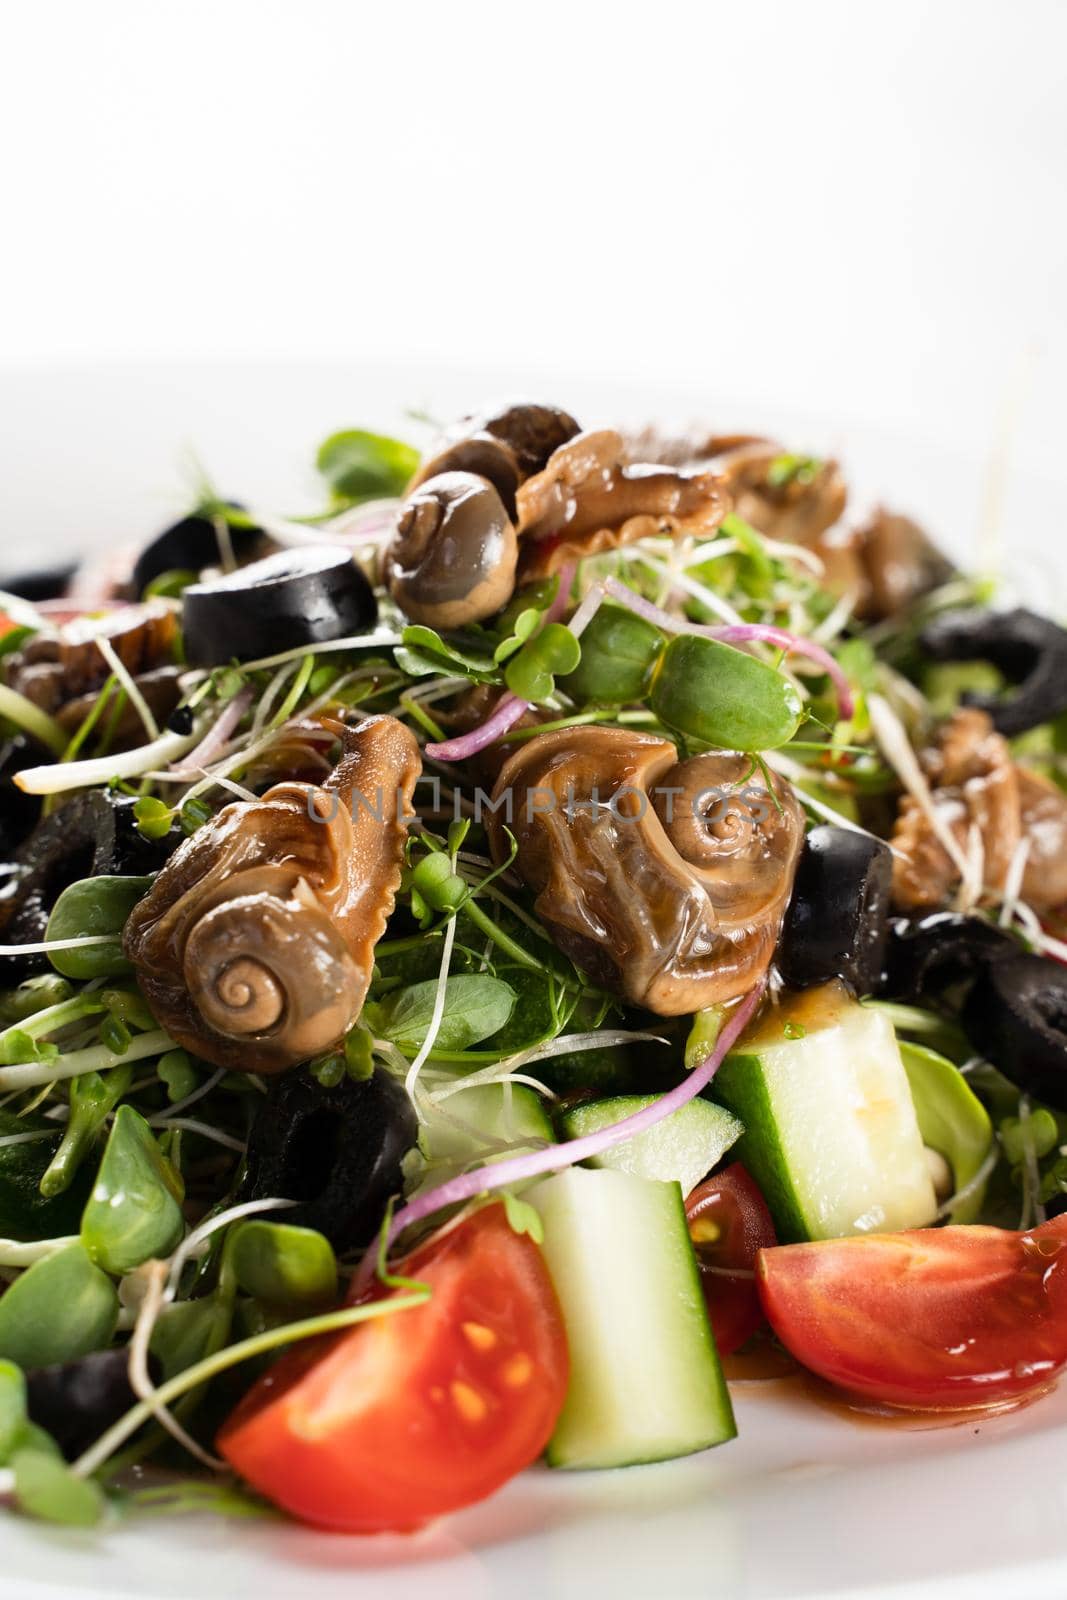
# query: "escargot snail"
{"points": [[665, 880], [254, 946], [518, 495]]}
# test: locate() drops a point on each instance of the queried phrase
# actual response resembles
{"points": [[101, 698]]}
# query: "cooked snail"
{"points": [[789, 497], [255, 945], [664, 880], [505, 446], [590, 498], [452, 557]]}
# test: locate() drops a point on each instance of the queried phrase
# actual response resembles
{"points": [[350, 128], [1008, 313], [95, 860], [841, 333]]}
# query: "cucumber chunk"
{"points": [[831, 1134], [646, 1384], [681, 1149], [469, 1128]]}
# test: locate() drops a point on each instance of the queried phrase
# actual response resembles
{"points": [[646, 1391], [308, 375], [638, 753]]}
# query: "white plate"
{"points": [[805, 1502]]}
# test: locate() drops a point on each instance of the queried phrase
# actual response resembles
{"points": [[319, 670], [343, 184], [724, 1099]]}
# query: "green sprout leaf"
{"points": [[57, 1310], [46, 1488], [359, 1054], [476, 1007], [359, 465], [153, 817], [133, 1212], [1038, 1133], [284, 1265], [177, 1074], [94, 906], [788, 468], [423, 652], [532, 673], [12, 1409]]}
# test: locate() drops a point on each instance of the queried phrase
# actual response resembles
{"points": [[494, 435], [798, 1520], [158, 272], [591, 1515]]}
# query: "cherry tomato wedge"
{"points": [[729, 1224], [396, 1421], [934, 1319]]}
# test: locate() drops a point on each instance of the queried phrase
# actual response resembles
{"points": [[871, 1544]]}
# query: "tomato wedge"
{"points": [[729, 1224], [400, 1420], [939, 1319]]}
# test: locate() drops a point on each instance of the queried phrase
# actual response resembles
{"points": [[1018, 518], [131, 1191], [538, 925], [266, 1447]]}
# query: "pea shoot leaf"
{"points": [[46, 1488], [359, 465]]}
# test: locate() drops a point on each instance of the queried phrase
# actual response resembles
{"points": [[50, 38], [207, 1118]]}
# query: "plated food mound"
{"points": [[583, 904]]}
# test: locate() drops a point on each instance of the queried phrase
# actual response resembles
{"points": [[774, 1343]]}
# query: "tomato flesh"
{"points": [[933, 1319], [729, 1224], [403, 1419]]}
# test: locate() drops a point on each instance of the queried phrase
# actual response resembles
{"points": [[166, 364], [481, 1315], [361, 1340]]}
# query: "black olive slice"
{"points": [[189, 546], [44, 583], [76, 1401], [837, 922], [294, 598], [932, 961], [1031, 651], [93, 834], [336, 1151], [18, 811], [1016, 1017]]}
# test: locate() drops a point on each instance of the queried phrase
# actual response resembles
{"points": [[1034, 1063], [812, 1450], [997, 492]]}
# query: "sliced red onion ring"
{"points": [[501, 1174], [191, 765]]}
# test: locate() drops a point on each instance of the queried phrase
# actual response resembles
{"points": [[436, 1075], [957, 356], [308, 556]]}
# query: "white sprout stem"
{"points": [[233, 1355], [23, 612], [1013, 881], [42, 947], [97, 1058], [972, 1186], [359, 641], [827, 630], [588, 609], [58, 777], [896, 747], [126, 681], [238, 790], [191, 1244], [412, 1077], [698, 591], [16, 708], [17, 1253], [190, 1099], [697, 555], [141, 1383], [564, 1044], [206, 1131], [795, 552], [490, 1075], [30, 1137]]}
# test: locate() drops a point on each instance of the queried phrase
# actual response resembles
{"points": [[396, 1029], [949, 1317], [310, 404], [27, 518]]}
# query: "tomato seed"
{"points": [[468, 1402], [481, 1337]]}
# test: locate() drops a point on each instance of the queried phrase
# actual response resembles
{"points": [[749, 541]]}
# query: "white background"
{"points": [[844, 210]]}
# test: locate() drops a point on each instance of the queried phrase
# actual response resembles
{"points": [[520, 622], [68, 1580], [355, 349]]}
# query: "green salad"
{"points": [[574, 920]]}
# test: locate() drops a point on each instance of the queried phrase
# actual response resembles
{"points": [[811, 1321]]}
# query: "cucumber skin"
{"points": [[740, 1085], [560, 1453]]}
